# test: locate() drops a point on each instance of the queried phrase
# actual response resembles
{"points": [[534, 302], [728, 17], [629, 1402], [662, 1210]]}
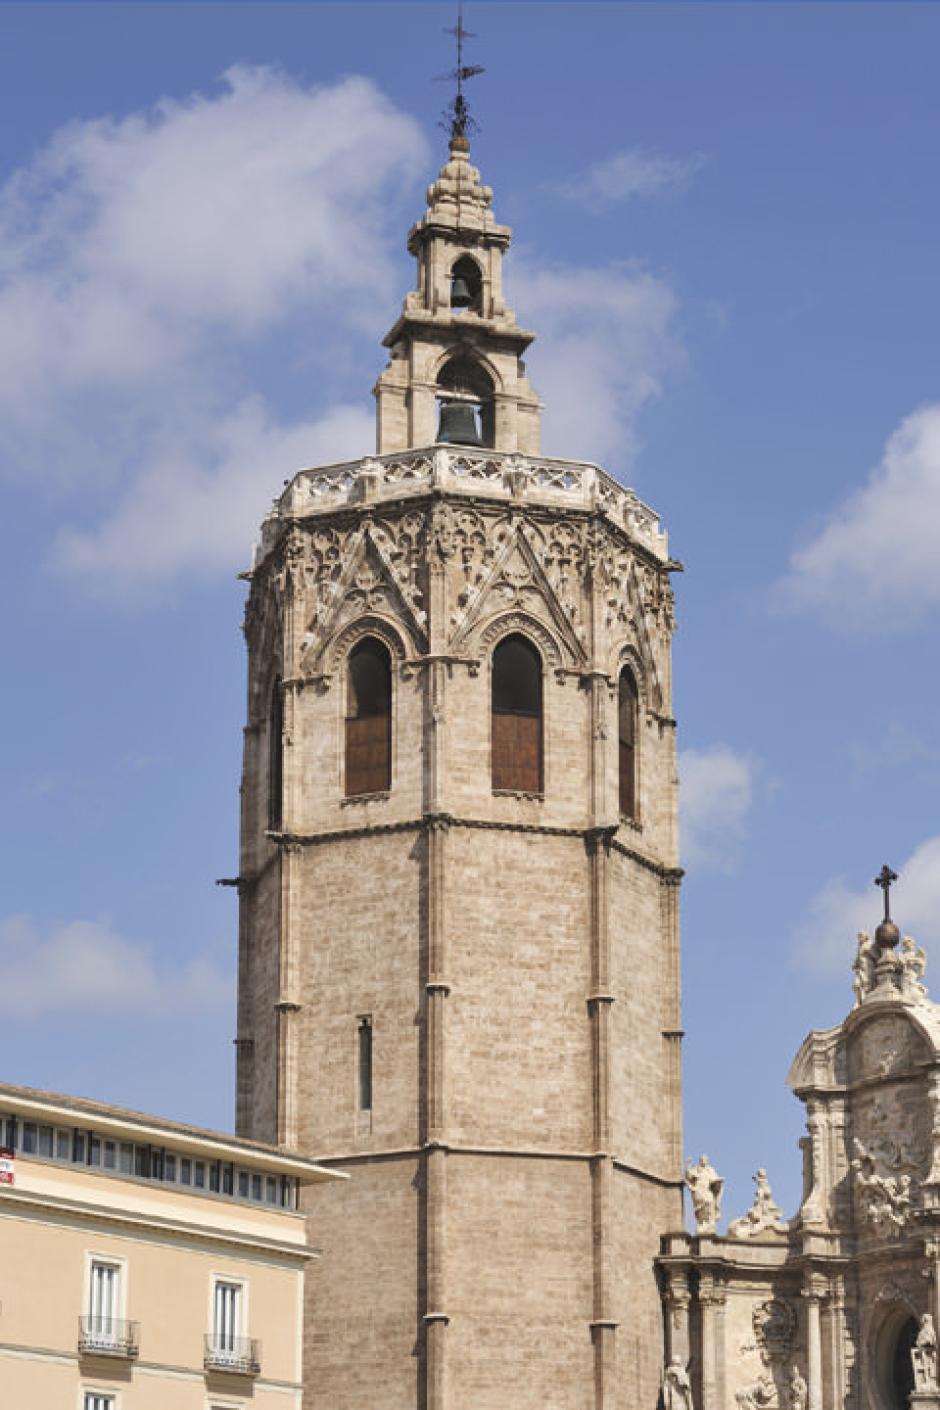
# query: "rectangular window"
{"points": [[186, 1171], [227, 1314], [127, 1159], [110, 1155], [256, 1187], [169, 1168], [103, 1302], [96, 1400], [199, 1175], [45, 1141], [228, 1179], [94, 1150], [243, 1184], [63, 1145], [270, 1188], [365, 1063], [29, 1138]]}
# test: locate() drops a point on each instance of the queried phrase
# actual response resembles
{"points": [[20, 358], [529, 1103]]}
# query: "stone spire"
{"points": [[455, 339]]}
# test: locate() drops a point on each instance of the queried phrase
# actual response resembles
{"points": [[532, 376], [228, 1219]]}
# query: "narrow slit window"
{"points": [[369, 719], [626, 734], [276, 758], [517, 716], [365, 1064]]}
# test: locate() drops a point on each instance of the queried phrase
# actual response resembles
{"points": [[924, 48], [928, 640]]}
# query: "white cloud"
{"points": [[826, 939], [606, 339], [628, 173], [716, 792], [876, 563], [197, 504], [161, 276], [84, 966]]}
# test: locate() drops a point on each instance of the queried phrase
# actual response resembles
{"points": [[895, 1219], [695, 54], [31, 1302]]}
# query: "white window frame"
{"points": [[111, 1397], [119, 1308], [232, 1280]]}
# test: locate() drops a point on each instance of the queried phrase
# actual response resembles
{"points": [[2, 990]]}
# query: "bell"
{"points": [[460, 295], [458, 424]]}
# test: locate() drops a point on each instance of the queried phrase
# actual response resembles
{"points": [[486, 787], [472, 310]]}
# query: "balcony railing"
{"points": [[107, 1336], [241, 1355]]}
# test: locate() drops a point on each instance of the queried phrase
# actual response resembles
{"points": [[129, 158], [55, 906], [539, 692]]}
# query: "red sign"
{"points": [[6, 1165]]}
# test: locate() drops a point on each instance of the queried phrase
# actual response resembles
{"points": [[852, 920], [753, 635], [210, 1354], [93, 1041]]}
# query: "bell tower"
{"points": [[459, 945], [456, 349]]}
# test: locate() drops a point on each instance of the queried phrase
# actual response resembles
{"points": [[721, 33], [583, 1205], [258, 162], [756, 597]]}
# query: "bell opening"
{"points": [[468, 408], [466, 285]]}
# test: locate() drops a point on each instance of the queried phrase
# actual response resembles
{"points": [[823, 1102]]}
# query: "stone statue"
{"points": [[797, 1390], [924, 1355], [913, 959], [864, 967], [677, 1388], [762, 1395], [763, 1214], [705, 1186]]}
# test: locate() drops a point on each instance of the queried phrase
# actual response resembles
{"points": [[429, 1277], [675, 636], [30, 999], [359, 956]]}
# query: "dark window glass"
{"points": [[29, 1138], [626, 734], [199, 1175], [368, 719], [365, 1064], [78, 1147], [276, 758], [228, 1179], [517, 716], [243, 1184], [94, 1150], [186, 1171], [45, 1140], [63, 1145], [169, 1168], [256, 1190]]}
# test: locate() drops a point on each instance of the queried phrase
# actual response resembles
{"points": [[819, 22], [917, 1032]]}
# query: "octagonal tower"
{"points": [[459, 950]]}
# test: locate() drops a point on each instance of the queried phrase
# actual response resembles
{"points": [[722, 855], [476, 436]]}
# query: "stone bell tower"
{"points": [[459, 949]]}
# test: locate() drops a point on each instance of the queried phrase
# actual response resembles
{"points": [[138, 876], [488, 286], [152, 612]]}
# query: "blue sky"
{"points": [[726, 226]]}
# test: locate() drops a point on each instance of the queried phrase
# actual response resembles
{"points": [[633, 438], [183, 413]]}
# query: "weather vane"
{"points": [[456, 118]]}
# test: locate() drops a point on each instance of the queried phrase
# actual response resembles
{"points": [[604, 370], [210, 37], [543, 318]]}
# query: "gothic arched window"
{"points": [[517, 716], [626, 735], [368, 718], [466, 285], [276, 758]]}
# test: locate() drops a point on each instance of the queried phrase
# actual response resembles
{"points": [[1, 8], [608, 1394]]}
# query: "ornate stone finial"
{"points": [[456, 119], [705, 1186], [887, 935], [677, 1388], [764, 1215]]}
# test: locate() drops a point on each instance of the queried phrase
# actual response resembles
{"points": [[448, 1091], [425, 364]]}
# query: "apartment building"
{"points": [[145, 1264]]}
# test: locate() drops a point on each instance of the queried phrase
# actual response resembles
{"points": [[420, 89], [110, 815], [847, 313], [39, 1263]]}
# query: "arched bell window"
{"points": [[368, 718], [467, 410], [466, 285], [517, 716], [627, 738], [276, 758]]}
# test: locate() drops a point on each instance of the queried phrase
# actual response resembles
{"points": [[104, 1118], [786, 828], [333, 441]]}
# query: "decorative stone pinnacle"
{"points": [[887, 935], [885, 879]]}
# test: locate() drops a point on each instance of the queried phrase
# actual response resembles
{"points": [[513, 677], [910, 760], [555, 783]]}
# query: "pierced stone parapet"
{"points": [[499, 475]]}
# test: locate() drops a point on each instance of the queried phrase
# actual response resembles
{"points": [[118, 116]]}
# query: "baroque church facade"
{"points": [[459, 942]]}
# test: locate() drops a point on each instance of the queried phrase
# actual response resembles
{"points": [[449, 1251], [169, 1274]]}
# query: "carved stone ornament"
{"points": [[677, 1388], [762, 1395], [797, 1390], [892, 975], [924, 1356], [764, 1215], [884, 1200], [705, 1186], [774, 1323]]}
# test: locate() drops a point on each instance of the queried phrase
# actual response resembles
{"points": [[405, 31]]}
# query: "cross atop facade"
{"points": [[885, 879]]}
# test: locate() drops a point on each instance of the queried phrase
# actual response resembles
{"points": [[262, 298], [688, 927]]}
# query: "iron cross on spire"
{"points": [[457, 119], [885, 879]]}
